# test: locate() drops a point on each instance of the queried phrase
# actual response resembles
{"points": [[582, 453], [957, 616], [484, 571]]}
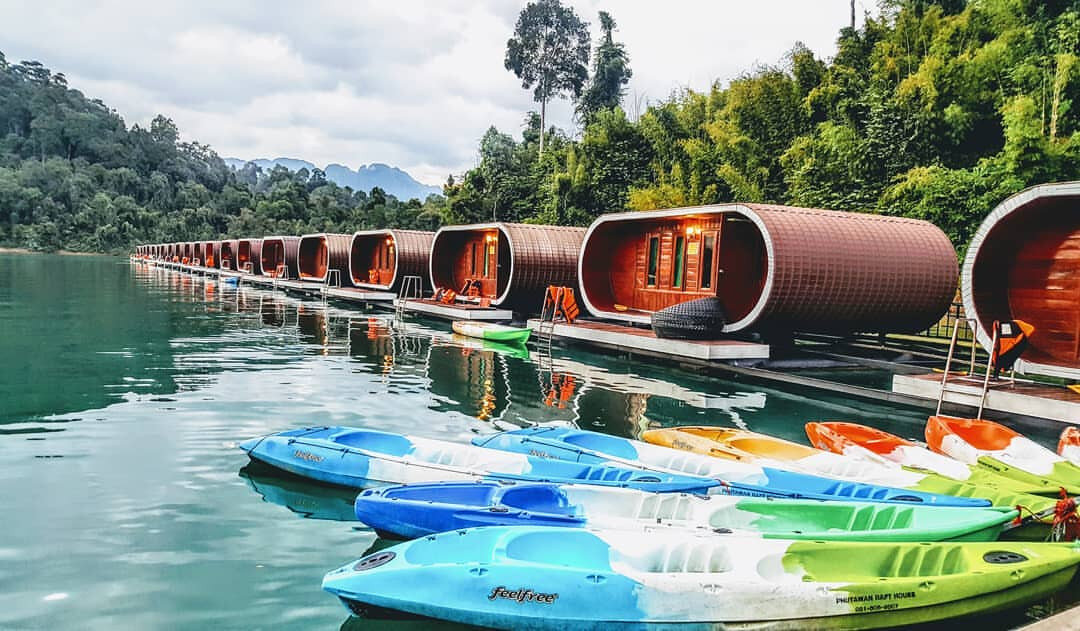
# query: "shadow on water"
{"points": [[305, 499]]}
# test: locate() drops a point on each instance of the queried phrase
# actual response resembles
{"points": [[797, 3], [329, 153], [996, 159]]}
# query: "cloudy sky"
{"points": [[410, 83]]}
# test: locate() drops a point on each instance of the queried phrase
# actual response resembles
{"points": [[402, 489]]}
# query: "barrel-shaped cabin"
{"points": [[324, 258], [189, 252], [774, 268], [1024, 264], [228, 254], [509, 265], [279, 257], [247, 255], [380, 260], [211, 254]]}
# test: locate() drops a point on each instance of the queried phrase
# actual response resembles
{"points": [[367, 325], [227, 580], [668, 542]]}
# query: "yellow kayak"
{"points": [[751, 447]]}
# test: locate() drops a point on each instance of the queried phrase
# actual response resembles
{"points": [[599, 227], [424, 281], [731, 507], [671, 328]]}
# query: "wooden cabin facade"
{"points": [[227, 254], [212, 254], [775, 268], [510, 265], [278, 257], [1024, 264], [247, 255], [319, 255], [380, 260]]}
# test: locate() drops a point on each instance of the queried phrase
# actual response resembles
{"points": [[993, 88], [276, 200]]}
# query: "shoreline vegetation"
{"points": [[936, 110], [6, 250]]}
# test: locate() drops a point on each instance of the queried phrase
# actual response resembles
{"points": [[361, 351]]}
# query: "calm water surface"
{"points": [[123, 391]]}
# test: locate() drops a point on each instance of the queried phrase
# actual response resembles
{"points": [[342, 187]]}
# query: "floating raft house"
{"points": [[775, 268], [379, 260], [1024, 264], [513, 264]]}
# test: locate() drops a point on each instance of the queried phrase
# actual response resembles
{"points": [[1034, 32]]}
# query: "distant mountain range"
{"points": [[390, 179]]}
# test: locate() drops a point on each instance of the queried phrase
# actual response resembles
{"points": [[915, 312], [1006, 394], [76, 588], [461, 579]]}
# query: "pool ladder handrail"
{"points": [[971, 324]]}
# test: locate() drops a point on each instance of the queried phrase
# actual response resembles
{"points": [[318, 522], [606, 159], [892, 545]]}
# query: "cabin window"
{"points": [[680, 256], [473, 268], [654, 259], [487, 260], [706, 261]]}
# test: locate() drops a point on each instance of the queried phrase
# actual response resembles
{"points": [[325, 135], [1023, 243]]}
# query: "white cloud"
{"points": [[410, 83]]}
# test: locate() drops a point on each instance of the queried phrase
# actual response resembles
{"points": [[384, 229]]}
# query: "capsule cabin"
{"points": [[189, 252], [324, 258], [380, 260], [247, 255], [774, 268], [506, 265], [212, 254], [1024, 264], [279, 257], [228, 254]]}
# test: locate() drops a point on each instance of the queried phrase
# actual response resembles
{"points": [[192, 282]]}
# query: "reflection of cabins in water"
{"points": [[389, 349], [316, 325], [773, 267], [467, 380], [380, 260]]}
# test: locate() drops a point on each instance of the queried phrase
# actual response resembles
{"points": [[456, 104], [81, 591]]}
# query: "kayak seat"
{"points": [[380, 442], [695, 555], [880, 518], [663, 506], [899, 561], [537, 499]]}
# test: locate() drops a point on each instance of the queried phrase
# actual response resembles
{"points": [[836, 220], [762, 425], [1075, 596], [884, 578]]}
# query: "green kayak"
{"points": [[492, 332]]}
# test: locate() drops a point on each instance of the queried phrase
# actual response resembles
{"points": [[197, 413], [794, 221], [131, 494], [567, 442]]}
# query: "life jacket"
{"points": [[471, 288], [561, 301], [373, 276], [1013, 337]]}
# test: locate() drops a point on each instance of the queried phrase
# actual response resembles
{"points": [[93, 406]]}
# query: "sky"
{"points": [[410, 83]]}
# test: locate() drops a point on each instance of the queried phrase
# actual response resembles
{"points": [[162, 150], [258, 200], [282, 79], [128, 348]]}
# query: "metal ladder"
{"points": [[412, 288], [971, 325], [334, 274]]}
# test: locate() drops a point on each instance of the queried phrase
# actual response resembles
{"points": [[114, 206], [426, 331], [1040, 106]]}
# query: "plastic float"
{"points": [[417, 510], [560, 578], [739, 478], [354, 457]]}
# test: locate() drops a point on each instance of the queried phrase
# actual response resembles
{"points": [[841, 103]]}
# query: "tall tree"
{"points": [[549, 52], [611, 73]]}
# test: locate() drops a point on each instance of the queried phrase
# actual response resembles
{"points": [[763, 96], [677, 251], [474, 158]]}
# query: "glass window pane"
{"points": [[654, 256], [473, 267], [677, 272], [706, 273]]}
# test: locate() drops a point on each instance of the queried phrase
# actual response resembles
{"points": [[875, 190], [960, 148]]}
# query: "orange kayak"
{"points": [[854, 440], [1000, 449], [1069, 445]]}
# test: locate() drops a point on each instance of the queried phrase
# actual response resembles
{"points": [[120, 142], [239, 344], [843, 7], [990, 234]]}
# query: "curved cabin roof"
{"points": [[530, 258], [776, 267], [411, 250], [1024, 264]]}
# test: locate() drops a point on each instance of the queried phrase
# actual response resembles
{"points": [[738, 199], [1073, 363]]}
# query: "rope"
{"points": [[1065, 525]]}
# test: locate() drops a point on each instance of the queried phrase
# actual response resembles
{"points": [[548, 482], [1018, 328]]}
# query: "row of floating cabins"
{"points": [[777, 270]]}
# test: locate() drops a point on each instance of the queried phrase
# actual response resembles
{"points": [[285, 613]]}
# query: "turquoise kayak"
{"points": [[556, 579]]}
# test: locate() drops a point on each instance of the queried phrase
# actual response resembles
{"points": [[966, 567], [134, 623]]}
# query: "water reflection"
{"points": [[308, 500]]}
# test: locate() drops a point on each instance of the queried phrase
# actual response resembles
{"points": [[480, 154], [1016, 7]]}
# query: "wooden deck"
{"points": [[636, 339], [456, 311], [1022, 397]]}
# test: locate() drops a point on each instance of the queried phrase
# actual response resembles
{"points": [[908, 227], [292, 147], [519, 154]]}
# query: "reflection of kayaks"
{"points": [[767, 450], [492, 332], [311, 501], [354, 457], [1002, 450], [854, 440], [517, 351], [740, 478], [572, 578], [1069, 445], [417, 510]]}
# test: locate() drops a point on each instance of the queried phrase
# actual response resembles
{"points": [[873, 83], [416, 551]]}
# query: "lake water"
{"points": [[124, 390]]}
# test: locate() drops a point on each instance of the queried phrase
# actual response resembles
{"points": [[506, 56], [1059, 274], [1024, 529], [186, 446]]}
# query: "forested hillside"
{"points": [[73, 176], [937, 110]]}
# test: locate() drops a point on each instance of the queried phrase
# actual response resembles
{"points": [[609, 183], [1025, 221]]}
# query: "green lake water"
{"points": [[124, 390]]}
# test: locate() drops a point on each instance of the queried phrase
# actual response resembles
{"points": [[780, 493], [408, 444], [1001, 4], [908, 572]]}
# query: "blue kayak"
{"points": [[358, 458], [739, 478], [418, 510]]}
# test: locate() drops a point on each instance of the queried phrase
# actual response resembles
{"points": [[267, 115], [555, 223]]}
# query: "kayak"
{"points": [[1069, 445], [854, 440], [571, 578], [492, 332], [769, 451], [354, 457], [418, 510], [997, 448], [739, 478]]}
